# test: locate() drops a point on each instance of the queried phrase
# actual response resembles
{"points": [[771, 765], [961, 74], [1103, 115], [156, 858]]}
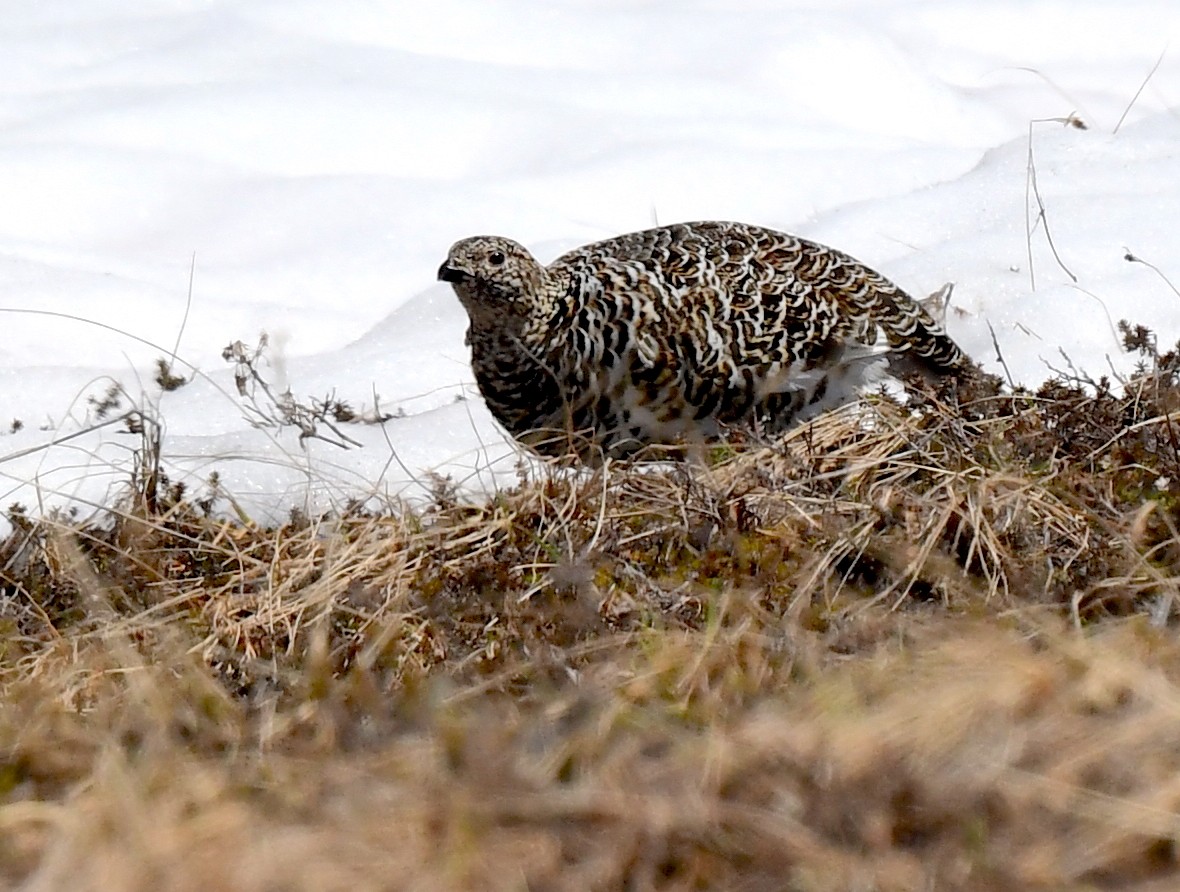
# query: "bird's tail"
{"points": [[915, 332]]}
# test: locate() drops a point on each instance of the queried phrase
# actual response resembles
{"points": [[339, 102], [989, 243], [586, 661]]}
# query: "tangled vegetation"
{"points": [[908, 647]]}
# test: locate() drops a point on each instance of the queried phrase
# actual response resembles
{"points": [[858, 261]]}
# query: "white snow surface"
{"points": [[312, 161]]}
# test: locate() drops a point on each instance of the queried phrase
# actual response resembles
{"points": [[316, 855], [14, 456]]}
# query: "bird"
{"points": [[675, 335]]}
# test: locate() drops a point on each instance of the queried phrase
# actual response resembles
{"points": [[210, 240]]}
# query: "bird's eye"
{"points": [[496, 258]]}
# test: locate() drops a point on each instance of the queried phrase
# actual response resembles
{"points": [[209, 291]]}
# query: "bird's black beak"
{"points": [[450, 274]]}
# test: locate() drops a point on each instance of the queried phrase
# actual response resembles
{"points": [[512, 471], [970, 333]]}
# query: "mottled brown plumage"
{"points": [[672, 334]]}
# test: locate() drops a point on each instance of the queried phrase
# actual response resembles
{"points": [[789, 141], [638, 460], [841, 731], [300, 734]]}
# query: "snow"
{"points": [[311, 162]]}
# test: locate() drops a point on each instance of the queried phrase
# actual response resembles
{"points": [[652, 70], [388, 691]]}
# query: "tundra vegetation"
{"points": [[920, 646]]}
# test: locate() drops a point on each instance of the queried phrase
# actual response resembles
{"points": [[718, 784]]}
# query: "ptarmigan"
{"points": [[674, 334]]}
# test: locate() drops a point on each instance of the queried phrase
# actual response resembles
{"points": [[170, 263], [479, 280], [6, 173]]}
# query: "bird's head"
{"points": [[494, 277]]}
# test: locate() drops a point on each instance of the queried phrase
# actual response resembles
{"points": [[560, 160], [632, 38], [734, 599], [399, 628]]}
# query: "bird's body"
{"points": [[672, 334]]}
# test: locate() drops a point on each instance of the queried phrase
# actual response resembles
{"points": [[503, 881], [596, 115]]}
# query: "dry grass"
{"points": [[906, 648]]}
